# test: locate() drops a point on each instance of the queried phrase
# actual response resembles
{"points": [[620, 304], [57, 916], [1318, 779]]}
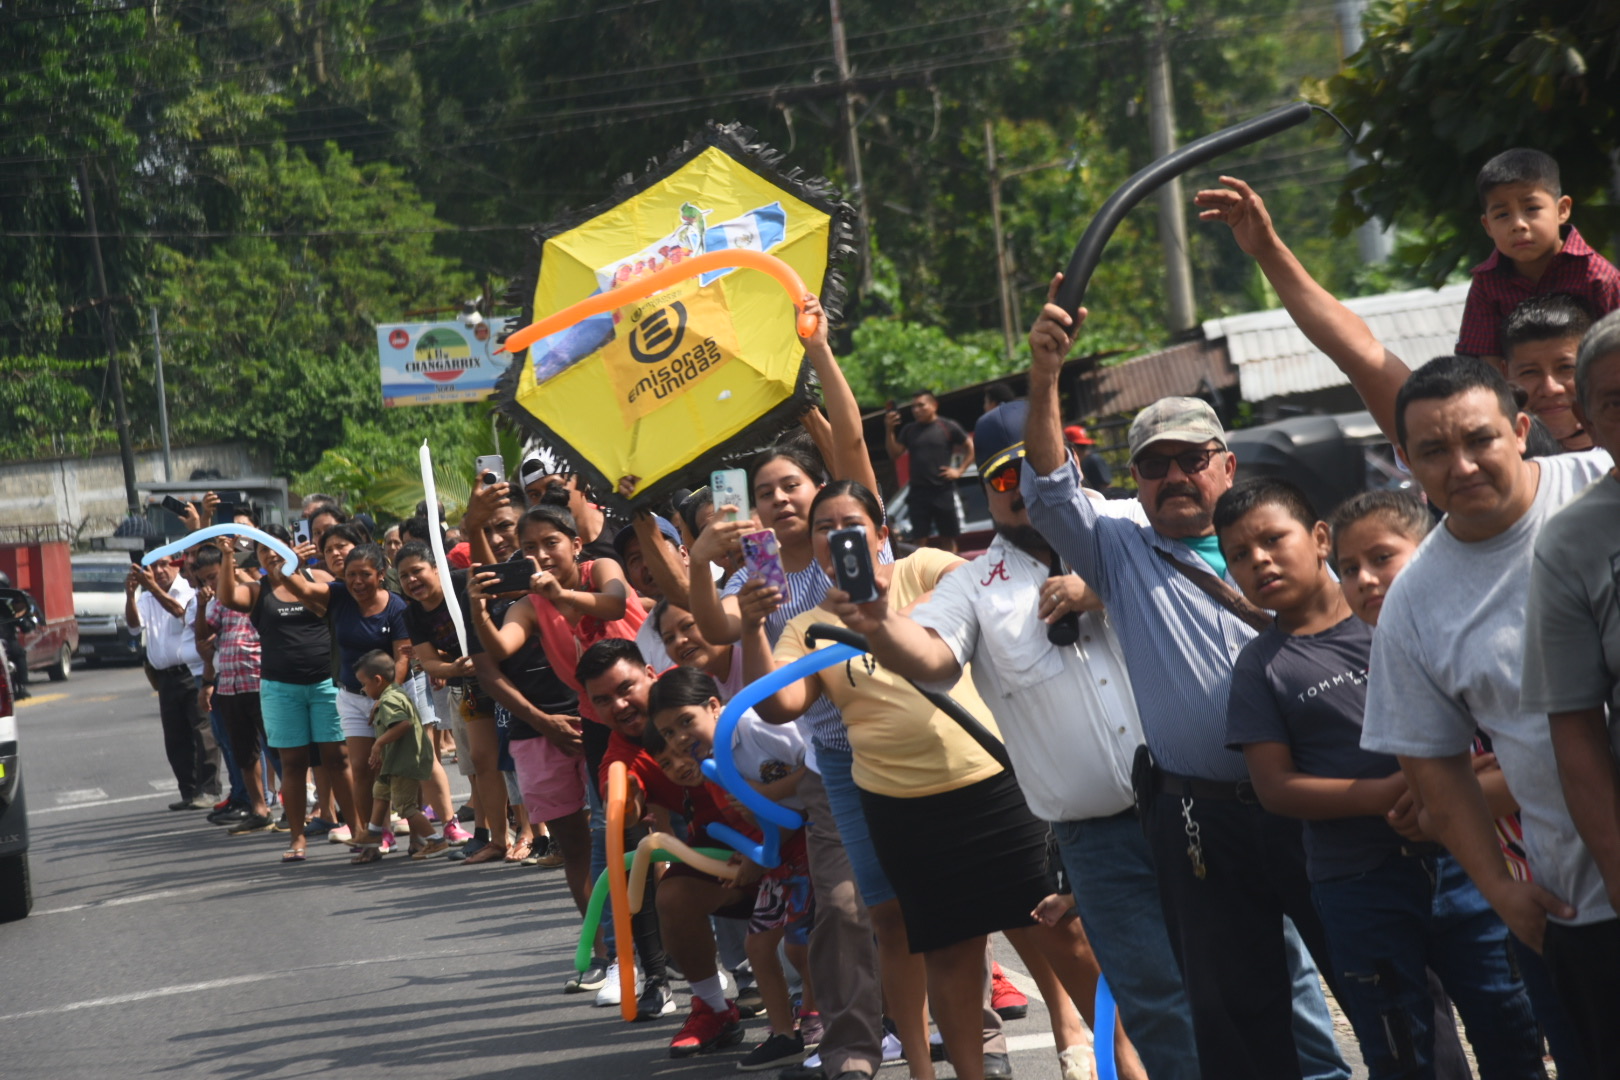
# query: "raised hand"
{"points": [[1243, 211], [1053, 334]]}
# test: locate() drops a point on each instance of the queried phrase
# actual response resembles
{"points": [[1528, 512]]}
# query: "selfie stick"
{"points": [[1088, 253], [436, 539]]}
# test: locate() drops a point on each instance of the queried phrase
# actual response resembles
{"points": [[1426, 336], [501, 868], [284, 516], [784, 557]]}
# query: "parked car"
{"points": [[1330, 458], [971, 507], [42, 644], [98, 603], [16, 889]]}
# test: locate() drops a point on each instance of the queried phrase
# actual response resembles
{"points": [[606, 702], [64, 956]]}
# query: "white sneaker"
{"points": [[892, 1050], [339, 835], [1078, 1063], [609, 994]]}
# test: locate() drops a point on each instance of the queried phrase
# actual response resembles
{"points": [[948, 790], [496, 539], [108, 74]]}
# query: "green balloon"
{"points": [[599, 897]]}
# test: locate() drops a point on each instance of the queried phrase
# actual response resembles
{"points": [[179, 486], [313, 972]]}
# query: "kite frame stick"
{"points": [[630, 292]]}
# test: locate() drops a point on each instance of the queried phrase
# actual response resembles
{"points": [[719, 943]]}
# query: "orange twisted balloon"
{"points": [[618, 795]]}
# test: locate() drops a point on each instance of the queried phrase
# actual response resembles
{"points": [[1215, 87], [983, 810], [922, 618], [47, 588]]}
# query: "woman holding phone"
{"points": [[946, 822], [364, 616], [297, 696]]}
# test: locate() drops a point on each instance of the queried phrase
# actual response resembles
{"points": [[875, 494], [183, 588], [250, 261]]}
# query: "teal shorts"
{"points": [[296, 714]]}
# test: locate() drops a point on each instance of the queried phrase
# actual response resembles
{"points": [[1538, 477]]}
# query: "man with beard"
{"points": [[1047, 663], [1228, 871]]}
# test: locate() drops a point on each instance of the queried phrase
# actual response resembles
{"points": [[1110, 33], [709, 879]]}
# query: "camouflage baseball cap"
{"points": [[1175, 419]]}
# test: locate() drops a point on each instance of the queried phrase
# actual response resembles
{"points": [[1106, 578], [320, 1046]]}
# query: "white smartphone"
{"points": [[489, 469], [730, 487], [300, 531]]}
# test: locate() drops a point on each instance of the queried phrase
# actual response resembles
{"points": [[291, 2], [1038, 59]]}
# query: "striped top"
{"points": [[1179, 644]]}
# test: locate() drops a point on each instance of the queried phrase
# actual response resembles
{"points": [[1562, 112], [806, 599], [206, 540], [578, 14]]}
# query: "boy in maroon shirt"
{"points": [[1537, 251]]}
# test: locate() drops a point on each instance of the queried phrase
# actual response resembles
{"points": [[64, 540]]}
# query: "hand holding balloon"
{"points": [[1053, 334]]}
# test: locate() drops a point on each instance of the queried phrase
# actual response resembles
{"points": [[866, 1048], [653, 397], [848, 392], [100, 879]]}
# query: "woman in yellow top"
{"points": [[949, 825]]}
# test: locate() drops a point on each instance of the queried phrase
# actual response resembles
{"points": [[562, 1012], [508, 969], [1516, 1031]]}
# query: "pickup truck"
{"points": [[40, 643]]}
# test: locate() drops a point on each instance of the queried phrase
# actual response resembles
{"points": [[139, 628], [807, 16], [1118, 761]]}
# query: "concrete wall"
{"points": [[88, 493]]}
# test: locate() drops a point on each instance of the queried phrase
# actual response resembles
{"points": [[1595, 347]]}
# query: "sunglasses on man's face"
{"points": [[1157, 466], [1004, 479]]}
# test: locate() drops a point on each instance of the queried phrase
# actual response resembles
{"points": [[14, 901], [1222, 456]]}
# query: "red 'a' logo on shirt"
{"points": [[997, 572]]}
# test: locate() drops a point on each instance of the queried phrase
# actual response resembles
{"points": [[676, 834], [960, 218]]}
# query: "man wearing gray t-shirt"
{"points": [[1572, 675]]}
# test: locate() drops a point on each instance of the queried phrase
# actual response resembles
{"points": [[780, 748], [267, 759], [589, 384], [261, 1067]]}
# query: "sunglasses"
{"points": [[1157, 466], [1004, 479]]}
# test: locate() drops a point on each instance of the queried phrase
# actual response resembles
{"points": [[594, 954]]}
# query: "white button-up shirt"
{"points": [[170, 640], [1067, 713]]}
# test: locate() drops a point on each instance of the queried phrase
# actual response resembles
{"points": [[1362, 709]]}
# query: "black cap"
{"points": [[998, 437]]}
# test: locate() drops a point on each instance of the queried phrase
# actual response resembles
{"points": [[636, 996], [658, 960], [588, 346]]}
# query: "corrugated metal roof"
{"points": [[1181, 370], [1273, 358]]}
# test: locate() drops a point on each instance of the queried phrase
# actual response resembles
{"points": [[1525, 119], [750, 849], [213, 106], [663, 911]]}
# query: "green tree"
{"points": [[1439, 88]]}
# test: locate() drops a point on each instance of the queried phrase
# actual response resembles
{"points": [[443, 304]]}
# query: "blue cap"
{"points": [[998, 437], [622, 539]]}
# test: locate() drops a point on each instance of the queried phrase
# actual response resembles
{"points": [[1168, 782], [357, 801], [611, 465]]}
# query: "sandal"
{"points": [[293, 855], [518, 851], [367, 855]]}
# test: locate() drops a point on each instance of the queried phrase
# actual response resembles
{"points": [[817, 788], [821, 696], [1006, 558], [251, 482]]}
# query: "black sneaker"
{"points": [[231, 815], [776, 1051], [252, 823], [468, 850], [655, 1000], [592, 978], [466, 813]]}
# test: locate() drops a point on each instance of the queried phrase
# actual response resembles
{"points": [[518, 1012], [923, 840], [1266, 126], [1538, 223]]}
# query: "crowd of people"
{"points": [[1239, 747]]}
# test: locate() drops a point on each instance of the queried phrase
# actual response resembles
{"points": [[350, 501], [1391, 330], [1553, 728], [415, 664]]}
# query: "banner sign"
{"points": [[436, 363]]}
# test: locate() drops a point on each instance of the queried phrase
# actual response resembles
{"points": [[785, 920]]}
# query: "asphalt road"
{"points": [[159, 946]]}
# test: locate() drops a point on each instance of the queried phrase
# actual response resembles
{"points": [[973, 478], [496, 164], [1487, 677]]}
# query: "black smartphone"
{"points": [[509, 576], [135, 556], [175, 506], [224, 513], [852, 563]]}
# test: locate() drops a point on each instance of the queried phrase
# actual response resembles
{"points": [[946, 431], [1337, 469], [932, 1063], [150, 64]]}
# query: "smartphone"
{"points": [[763, 559], [510, 576], [175, 506], [224, 513], [300, 531], [490, 469], [852, 563], [135, 556], [730, 487]]}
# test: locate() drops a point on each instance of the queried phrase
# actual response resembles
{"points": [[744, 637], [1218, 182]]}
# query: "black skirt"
{"points": [[963, 863]]}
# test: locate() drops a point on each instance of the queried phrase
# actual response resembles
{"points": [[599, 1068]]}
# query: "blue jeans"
{"points": [[1319, 1057], [593, 802], [1117, 897], [845, 799], [1384, 925], [238, 795]]}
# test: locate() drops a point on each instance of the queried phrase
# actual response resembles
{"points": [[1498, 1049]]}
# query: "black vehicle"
{"points": [[16, 890], [1330, 458]]}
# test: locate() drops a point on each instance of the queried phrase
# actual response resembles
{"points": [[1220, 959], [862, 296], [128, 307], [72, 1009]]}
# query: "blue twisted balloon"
{"points": [[721, 767], [289, 560], [1102, 1034]]}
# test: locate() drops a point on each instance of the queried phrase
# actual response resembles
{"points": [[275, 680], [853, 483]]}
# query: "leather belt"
{"points": [[1196, 787]]}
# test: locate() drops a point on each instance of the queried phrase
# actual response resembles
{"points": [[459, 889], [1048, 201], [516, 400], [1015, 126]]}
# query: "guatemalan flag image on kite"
{"points": [[668, 385]]}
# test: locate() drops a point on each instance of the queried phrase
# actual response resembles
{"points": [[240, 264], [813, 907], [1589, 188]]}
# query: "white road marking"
{"points": [[1040, 1040], [82, 795], [88, 805], [163, 894], [218, 984], [164, 786]]}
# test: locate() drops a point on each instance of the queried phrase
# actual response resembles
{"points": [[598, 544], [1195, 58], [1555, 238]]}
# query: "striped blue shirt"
{"points": [[1179, 644]]}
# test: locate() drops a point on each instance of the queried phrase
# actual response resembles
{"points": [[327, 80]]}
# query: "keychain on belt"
{"points": [[1195, 844]]}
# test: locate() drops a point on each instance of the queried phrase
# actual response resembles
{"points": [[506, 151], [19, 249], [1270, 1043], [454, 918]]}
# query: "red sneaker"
{"points": [[707, 1030], [1008, 1001]]}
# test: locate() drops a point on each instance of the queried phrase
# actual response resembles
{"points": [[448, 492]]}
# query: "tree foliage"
{"points": [[1439, 88]]}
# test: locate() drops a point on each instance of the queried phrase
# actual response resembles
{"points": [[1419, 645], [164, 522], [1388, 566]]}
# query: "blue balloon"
{"points": [[1103, 1034], [289, 560], [721, 767]]}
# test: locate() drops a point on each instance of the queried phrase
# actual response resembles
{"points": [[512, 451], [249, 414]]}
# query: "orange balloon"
{"points": [[635, 290], [618, 796]]}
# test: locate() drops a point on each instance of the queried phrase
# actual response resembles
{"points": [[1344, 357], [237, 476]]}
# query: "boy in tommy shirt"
{"points": [[1391, 906], [1526, 214], [684, 709]]}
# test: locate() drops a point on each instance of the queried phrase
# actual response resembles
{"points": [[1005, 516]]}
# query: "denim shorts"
{"points": [[845, 799]]}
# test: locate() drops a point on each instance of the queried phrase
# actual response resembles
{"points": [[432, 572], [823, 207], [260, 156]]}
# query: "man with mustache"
{"points": [[1228, 871], [1063, 703]]}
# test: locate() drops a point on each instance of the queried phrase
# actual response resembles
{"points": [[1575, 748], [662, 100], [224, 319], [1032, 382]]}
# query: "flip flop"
{"points": [[292, 855], [367, 855]]}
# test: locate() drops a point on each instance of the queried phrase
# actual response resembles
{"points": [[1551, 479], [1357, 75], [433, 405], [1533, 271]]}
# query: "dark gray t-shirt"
{"points": [[1309, 692]]}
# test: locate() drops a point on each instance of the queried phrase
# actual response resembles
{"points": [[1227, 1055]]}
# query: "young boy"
{"points": [[684, 709], [403, 756], [1526, 214], [1539, 340], [1391, 905]]}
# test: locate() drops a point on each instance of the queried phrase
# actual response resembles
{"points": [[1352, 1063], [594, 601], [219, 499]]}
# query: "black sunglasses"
{"points": [[1157, 466]]}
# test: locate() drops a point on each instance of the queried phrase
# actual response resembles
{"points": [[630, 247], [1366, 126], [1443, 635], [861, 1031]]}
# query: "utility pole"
{"points": [[115, 370], [1375, 240], [841, 58], [1162, 139], [163, 401], [1003, 271]]}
